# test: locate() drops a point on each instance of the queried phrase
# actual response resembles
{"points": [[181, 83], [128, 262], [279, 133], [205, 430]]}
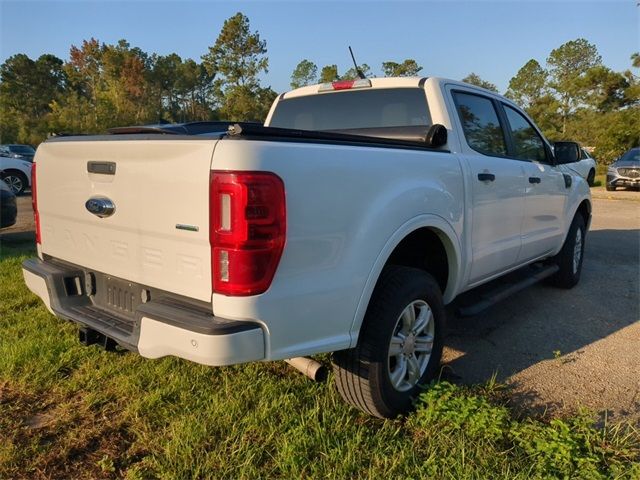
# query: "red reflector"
{"points": [[34, 203], [247, 229], [343, 84]]}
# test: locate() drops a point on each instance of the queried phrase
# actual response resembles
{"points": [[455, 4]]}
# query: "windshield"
{"points": [[632, 156], [22, 149], [390, 107]]}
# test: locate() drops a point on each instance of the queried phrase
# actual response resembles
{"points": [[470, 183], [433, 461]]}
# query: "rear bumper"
{"points": [[155, 328]]}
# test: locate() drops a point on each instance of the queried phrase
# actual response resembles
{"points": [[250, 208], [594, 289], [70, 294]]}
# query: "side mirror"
{"points": [[566, 152], [436, 135]]}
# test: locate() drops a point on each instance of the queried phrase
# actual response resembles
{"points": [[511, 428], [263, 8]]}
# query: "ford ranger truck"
{"points": [[343, 224]]}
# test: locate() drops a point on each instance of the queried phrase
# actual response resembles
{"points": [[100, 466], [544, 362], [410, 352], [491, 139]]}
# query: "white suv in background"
{"points": [[16, 173], [585, 167]]}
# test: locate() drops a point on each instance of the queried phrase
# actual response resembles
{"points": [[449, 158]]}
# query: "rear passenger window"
{"points": [[480, 124], [526, 141]]}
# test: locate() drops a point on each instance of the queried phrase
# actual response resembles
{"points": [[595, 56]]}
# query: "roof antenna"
{"points": [[358, 71]]}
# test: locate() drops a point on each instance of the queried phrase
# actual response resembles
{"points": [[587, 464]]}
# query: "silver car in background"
{"points": [[13, 150], [625, 171]]}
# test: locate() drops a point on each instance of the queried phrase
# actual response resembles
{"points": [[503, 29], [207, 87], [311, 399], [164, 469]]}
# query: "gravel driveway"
{"points": [[556, 349]]}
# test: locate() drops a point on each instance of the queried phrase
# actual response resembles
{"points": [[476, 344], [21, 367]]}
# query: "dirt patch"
{"points": [[48, 436], [627, 194]]}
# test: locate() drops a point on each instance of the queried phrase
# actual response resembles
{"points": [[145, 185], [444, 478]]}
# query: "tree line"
{"points": [[103, 86], [573, 96]]}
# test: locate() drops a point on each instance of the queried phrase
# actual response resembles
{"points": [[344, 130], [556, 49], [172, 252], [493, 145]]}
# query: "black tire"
{"points": [[363, 374], [610, 188], [569, 274], [17, 181], [591, 177]]}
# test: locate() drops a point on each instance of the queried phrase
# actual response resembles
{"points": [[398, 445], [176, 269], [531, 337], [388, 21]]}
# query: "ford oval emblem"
{"points": [[100, 206]]}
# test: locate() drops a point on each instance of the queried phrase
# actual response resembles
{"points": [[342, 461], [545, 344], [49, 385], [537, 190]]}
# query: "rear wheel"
{"points": [[400, 344], [17, 181], [570, 258]]}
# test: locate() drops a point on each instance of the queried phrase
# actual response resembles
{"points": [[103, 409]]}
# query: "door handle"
{"points": [[486, 177], [534, 180]]}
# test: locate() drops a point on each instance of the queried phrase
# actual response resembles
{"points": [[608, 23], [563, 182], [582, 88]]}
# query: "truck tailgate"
{"points": [[158, 234]]}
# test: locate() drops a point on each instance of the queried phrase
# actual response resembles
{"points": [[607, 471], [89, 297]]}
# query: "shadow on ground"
{"points": [[544, 323], [17, 243]]}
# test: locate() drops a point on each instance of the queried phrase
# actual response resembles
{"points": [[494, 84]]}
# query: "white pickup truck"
{"points": [[344, 224]]}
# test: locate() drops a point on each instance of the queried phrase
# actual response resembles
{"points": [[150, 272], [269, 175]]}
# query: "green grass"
{"points": [[599, 180], [68, 411]]}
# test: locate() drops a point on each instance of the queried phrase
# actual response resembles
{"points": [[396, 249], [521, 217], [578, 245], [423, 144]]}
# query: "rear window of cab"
{"points": [[340, 110]]}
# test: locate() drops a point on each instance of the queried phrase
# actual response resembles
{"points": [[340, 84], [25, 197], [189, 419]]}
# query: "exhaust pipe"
{"points": [[309, 367]]}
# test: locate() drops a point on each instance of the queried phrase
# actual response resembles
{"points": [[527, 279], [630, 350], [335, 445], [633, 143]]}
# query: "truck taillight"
{"points": [[247, 229], [34, 203], [345, 85]]}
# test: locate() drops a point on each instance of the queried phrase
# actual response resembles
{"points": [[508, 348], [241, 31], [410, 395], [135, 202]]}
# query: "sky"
{"points": [[448, 38]]}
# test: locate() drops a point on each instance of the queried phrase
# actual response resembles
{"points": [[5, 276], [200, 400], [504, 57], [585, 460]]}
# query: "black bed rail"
{"points": [[410, 139]]}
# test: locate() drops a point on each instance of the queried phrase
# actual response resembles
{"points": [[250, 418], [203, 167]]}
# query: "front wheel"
{"points": [[569, 260], [400, 344], [591, 177], [16, 181]]}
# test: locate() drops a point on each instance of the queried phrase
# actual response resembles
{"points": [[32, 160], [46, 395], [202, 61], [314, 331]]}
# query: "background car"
{"points": [[16, 173], [585, 167], [25, 152], [8, 206], [625, 171]]}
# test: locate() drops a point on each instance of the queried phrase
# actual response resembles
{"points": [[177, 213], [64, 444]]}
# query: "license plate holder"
{"points": [[118, 296]]}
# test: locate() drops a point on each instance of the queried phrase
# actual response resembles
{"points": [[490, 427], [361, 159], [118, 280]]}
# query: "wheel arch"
{"points": [[438, 237], [16, 171], [584, 209]]}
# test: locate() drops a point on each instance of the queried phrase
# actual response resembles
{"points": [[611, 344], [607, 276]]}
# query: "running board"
{"points": [[491, 297]]}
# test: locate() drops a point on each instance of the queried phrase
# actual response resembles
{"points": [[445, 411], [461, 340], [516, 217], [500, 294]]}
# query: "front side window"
{"points": [[527, 143], [480, 124]]}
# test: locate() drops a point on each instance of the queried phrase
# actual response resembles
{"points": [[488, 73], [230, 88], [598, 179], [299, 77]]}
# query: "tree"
{"points": [[238, 56], [635, 60], [163, 77], [123, 87], [329, 73], [528, 85], [26, 91], [84, 72], [352, 74], [408, 68], [193, 89], [236, 59], [475, 79], [545, 112], [305, 73], [604, 90], [567, 65], [248, 104]]}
